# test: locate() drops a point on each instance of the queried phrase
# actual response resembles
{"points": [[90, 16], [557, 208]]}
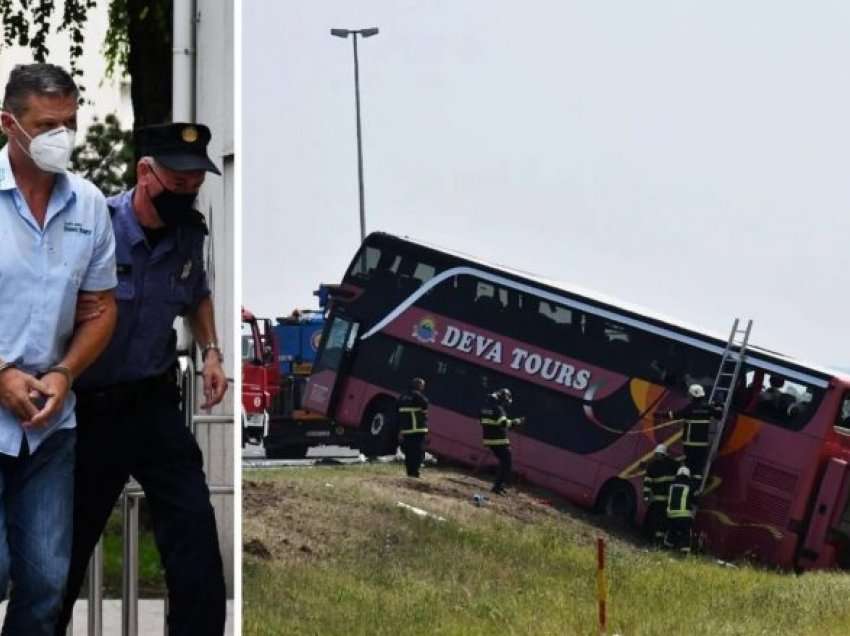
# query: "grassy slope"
{"points": [[328, 551]]}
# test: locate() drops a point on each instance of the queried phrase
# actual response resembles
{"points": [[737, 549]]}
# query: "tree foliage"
{"points": [[137, 42], [27, 23], [106, 156]]}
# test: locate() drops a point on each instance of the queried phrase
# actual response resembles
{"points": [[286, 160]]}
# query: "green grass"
{"points": [[151, 574], [385, 571]]}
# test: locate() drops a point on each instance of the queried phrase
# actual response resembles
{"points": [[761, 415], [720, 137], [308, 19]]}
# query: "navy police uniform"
{"points": [[413, 426], [130, 421]]}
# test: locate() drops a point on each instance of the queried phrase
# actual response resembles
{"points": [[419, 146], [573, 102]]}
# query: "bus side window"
{"points": [[487, 305], [394, 361], [781, 400], [555, 313], [365, 263], [424, 272], [844, 419], [413, 275]]}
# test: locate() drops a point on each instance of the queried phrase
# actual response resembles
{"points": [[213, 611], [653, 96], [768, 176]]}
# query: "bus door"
{"points": [[824, 511], [331, 362]]}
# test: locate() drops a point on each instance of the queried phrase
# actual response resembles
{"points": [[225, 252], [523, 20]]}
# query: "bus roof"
{"points": [[633, 312]]}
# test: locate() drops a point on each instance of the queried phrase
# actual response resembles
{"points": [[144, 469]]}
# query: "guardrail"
{"points": [[130, 502]]}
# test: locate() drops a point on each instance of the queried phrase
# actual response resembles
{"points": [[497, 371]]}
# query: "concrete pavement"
{"points": [[151, 617]]}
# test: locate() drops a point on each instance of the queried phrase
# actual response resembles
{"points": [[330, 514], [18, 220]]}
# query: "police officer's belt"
{"points": [[124, 392]]}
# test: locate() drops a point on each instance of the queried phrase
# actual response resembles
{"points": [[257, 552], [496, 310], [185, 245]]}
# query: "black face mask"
{"points": [[172, 207]]}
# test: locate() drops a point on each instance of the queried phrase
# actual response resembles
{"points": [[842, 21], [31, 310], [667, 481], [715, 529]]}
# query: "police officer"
{"points": [[681, 509], [660, 473], [413, 425], [697, 416], [130, 421], [495, 424]]}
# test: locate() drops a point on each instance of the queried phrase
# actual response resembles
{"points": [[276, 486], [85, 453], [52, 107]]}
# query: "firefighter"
{"points": [[681, 508], [697, 416], [413, 425], [660, 473], [495, 424]]}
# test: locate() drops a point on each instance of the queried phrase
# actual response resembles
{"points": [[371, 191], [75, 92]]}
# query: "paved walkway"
{"points": [[150, 618]]}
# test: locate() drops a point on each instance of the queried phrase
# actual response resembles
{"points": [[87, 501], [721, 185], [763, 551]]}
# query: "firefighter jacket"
{"points": [[660, 473], [680, 500], [412, 413], [495, 423], [698, 416]]}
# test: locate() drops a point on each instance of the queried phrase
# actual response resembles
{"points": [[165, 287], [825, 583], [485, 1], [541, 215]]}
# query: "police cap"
{"points": [[177, 146]]}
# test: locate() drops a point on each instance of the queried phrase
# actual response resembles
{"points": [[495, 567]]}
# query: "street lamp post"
{"points": [[366, 33]]}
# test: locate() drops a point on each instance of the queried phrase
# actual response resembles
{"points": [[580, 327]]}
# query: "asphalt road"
{"points": [[254, 456]]}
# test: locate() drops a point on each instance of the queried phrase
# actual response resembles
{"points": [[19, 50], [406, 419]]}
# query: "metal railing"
{"points": [[130, 504]]}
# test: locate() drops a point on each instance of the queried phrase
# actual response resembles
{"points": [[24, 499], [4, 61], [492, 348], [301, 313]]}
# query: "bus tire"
{"points": [[287, 451], [379, 429], [617, 502]]}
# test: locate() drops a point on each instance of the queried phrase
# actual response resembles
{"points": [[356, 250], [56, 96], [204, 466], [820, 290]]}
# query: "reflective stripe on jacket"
{"points": [[412, 413], [679, 501], [698, 416], [495, 424]]}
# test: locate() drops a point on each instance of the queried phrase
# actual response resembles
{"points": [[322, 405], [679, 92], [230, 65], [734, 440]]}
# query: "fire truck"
{"points": [[277, 359], [260, 376]]}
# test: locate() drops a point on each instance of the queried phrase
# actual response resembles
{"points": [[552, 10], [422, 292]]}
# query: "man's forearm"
{"points": [[91, 337], [202, 323]]}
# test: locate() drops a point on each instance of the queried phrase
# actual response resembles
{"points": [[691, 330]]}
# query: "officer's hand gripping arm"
{"points": [[88, 342]]}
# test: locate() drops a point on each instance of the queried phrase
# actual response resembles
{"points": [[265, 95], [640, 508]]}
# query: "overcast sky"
{"points": [[689, 157]]}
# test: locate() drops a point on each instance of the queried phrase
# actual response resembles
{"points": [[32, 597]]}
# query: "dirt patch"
{"points": [[256, 548], [306, 519], [299, 519]]}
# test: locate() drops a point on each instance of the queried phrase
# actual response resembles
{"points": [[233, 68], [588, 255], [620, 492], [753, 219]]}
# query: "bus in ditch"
{"points": [[592, 377]]}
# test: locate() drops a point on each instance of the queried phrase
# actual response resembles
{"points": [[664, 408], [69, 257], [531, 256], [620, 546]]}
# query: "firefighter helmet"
{"points": [[683, 471], [504, 395], [661, 449], [696, 391]]}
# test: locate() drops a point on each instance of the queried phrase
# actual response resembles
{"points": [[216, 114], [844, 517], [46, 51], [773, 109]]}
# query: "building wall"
{"points": [[214, 106], [103, 95]]}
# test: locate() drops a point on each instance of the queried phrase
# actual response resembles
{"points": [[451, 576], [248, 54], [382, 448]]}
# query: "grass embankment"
{"points": [[328, 551]]}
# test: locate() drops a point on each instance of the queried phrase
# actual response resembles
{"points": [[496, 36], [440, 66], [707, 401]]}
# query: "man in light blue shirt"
{"points": [[55, 241]]}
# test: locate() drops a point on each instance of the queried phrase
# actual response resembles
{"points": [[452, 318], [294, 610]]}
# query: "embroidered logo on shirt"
{"points": [[73, 226], [187, 269]]}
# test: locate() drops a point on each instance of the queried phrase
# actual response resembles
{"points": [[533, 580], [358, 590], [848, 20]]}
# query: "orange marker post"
{"points": [[601, 584]]}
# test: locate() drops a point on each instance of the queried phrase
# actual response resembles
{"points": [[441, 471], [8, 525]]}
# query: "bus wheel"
{"points": [[617, 502], [379, 429]]}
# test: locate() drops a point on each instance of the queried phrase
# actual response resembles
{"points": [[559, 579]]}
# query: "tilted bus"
{"points": [[592, 378]]}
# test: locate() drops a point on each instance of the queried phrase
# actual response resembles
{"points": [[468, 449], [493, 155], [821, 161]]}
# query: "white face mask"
{"points": [[51, 150]]}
